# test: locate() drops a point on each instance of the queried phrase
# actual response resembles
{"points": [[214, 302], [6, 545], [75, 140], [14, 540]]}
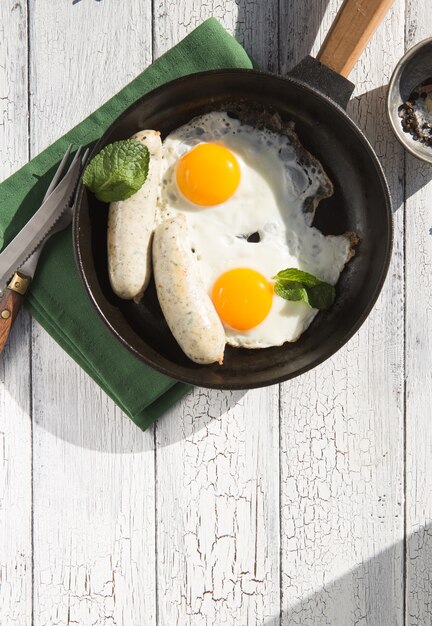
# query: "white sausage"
{"points": [[130, 227], [187, 307]]}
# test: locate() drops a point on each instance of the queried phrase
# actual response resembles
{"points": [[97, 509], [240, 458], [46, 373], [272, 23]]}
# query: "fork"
{"points": [[14, 295]]}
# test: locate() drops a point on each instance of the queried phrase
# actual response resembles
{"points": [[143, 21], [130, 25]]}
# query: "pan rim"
{"points": [[271, 379]]}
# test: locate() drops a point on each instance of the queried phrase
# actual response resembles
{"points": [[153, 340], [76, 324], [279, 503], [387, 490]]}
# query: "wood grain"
{"points": [[354, 25], [342, 424], [217, 453], [94, 503], [418, 264], [191, 532], [15, 424], [218, 509], [10, 305], [254, 24]]}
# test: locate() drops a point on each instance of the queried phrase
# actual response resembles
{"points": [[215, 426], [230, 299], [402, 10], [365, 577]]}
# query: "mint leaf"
{"points": [[300, 276], [291, 291], [295, 285], [118, 171], [321, 296]]}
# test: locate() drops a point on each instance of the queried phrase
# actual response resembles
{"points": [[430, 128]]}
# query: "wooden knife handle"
{"points": [[10, 304], [354, 25]]}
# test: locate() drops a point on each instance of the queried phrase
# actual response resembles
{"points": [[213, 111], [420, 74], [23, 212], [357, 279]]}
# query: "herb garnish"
{"points": [[294, 284], [118, 171]]}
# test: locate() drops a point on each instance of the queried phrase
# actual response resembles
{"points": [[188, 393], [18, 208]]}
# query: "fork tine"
{"points": [[74, 167], [58, 173], [83, 162], [74, 171], [75, 159], [85, 157]]}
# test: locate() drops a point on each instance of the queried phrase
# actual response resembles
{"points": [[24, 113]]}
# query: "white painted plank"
{"points": [[217, 453], [342, 424], [15, 422], [254, 24], [418, 363], [93, 469], [217, 509]]}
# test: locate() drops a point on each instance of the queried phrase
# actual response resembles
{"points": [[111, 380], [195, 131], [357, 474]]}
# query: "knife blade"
{"points": [[37, 228], [56, 214], [28, 268]]}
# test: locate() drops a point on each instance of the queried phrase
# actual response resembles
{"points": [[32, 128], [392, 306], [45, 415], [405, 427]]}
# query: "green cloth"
{"points": [[57, 299]]}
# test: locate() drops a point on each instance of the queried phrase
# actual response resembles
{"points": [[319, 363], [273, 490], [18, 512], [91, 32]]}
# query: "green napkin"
{"points": [[62, 306]]}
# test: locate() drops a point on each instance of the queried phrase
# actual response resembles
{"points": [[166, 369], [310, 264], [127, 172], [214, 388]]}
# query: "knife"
{"points": [[19, 259]]}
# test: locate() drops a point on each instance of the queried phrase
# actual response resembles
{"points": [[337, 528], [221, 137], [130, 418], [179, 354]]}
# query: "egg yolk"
{"points": [[208, 174], [242, 298]]}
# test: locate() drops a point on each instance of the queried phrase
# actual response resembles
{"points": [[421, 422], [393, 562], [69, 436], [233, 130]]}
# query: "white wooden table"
{"points": [[304, 504]]}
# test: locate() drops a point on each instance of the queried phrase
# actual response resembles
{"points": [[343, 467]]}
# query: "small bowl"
{"points": [[413, 68]]}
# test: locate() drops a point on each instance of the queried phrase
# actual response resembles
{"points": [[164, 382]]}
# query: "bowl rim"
{"points": [[271, 379], [397, 128]]}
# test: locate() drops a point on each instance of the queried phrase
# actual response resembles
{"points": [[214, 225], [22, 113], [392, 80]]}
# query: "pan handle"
{"points": [[354, 25], [321, 78]]}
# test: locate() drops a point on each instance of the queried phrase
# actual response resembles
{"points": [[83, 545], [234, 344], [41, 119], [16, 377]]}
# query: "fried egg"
{"points": [[249, 195]]}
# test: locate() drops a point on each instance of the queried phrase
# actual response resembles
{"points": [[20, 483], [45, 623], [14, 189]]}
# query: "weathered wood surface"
{"points": [[93, 471], [342, 424], [278, 506], [15, 372], [418, 328], [217, 457]]}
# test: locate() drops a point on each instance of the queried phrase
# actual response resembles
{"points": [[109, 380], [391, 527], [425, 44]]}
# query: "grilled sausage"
{"points": [[187, 307], [130, 226]]}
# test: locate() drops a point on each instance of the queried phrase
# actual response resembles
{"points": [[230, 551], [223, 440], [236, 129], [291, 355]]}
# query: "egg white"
{"points": [[270, 199]]}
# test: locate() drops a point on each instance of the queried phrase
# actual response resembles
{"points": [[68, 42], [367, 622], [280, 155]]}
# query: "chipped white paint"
{"points": [[217, 509], [342, 425], [217, 455], [255, 24], [235, 499], [93, 470], [15, 422], [418, 363]]}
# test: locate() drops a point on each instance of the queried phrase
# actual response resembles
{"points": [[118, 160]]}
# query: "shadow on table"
{"points": [[294, 38], [77, 1], [298, 27], [201, 407], [367, 595], [290, 28], [109, 430], [369, 111]]}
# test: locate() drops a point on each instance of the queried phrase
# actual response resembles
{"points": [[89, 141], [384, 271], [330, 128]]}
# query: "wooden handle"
{"points": [[10, 304], [354, 25]]}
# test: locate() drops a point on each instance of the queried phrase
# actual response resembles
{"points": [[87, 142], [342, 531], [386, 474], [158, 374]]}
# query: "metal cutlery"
{"points": [[19, 259]]}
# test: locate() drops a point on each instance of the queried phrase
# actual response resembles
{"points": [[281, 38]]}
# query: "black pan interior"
{"points": [[360, 204]]}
